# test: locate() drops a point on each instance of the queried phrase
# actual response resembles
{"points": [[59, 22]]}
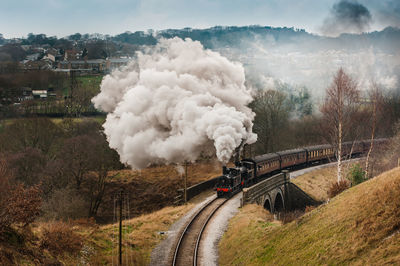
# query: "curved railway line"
{"points": [[186, 251]]}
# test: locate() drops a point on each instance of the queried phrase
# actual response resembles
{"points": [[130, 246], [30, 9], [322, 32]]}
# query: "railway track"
{"points": [[186, 251]]}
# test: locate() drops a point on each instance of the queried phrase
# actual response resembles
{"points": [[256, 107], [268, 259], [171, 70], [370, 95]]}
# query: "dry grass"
{"points": [[141, 235], [59, 237], [99, 243], [338, 187], [359, 226], [251, 216], [318, 182]]}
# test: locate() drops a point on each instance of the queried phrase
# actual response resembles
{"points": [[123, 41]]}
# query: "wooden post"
{"points": [[120, 229]]}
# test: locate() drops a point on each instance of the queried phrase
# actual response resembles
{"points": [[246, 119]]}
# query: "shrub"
{"points": [[25, 204], [59, 237], [356, 175], [85, 222], [309, 208], [287, 217], [337, 188], [20, 207]]}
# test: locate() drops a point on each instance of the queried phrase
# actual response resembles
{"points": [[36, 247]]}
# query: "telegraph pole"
{"points": [[186, 166], [120, 228]]}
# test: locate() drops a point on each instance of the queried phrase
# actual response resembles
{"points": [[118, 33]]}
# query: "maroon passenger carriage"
{"points": [[247, 172]]}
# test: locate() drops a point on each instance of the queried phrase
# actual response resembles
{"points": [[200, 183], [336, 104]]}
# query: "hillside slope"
{"points": [[360, 226]]}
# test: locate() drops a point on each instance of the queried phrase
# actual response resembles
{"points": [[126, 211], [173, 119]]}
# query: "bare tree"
{"points": [[272, 117], [104, 161], [77, 154], [376, 98], [338, 111]]}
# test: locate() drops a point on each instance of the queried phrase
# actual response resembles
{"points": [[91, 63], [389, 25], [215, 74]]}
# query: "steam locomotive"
{"points": [[251, 170]]}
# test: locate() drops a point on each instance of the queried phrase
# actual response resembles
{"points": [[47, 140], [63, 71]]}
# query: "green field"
{"points": [[87, 81]]}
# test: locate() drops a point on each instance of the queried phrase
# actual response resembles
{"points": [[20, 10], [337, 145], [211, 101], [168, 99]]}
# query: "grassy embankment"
{"points": [[140, 236], [360, 226], [317, 182], [99, 243]]}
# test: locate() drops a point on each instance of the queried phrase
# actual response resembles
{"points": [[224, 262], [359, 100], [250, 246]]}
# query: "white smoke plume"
{"points": [[176, 102]]}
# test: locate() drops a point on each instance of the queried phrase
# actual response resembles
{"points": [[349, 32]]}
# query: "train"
{"points": [[249, 171]]}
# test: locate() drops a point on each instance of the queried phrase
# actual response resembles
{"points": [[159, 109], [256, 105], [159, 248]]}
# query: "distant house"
{"points": [[72, 55], [92, 65], [33, 57], [37, 65], [26, 47], [64, 65], [52, 51], [113, 63], [97, 65], [39, 94], [26, 94], [49, 57]]}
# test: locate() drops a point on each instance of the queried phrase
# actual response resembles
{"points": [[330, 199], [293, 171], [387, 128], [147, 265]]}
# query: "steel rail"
{"points": [[196, 216], [201, 232]]}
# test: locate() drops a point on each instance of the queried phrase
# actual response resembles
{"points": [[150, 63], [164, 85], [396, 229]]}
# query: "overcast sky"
{"points": [[65, 17]]}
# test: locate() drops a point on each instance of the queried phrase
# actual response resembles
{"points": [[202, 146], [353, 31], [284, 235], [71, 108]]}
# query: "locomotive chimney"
{"points": [[224, 170]]}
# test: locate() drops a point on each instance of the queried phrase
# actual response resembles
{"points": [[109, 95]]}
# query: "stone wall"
{"points": [[259, 192], [266, 193]]}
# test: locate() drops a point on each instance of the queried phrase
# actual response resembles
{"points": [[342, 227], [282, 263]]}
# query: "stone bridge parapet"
{"points": [[277, 194]]}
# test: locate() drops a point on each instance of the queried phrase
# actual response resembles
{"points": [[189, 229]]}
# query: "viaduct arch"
{"points": [[277, 194]]}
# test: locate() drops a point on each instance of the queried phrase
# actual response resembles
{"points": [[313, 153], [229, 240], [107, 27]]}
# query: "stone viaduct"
{"points": [[277, 194]]}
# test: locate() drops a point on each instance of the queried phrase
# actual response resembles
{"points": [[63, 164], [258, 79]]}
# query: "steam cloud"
{"points": [[347, 16], [177, 102]]}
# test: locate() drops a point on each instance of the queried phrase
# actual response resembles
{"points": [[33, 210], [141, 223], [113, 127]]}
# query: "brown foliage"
{"points": [[337, 188], [21, 208], [59, 237], [309, 208], [18, 205], [287, 217], [27, 165], [65, 204], [85, 222], [25, 204], [38, 133]]}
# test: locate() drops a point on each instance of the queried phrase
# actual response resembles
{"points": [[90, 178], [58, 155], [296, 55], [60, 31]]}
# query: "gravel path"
{"points": [[216, 227]]}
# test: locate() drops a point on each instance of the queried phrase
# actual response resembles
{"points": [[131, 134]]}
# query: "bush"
{"points": [[356, 175], [59, 237], [287, 217], [21, 206], [337, 188], [309, 208]]}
